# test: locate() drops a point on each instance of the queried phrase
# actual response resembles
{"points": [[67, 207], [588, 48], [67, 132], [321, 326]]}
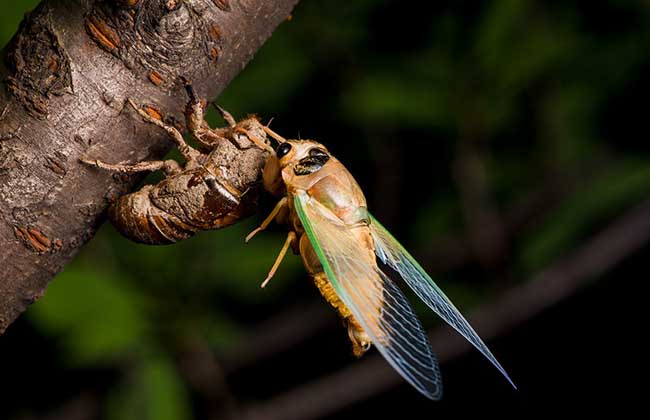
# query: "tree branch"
{"points": [[67, 74], [361, 380]]}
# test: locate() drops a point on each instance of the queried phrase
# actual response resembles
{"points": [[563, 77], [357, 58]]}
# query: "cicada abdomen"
{"points": [[177, 208]]}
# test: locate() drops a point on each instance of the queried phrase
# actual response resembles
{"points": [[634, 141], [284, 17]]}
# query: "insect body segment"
{"points": [[361, 342], [339, 243], [200, 195]]}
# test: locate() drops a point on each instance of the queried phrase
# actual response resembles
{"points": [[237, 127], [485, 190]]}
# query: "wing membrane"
{"points": [[374, 300], [393, 254]]}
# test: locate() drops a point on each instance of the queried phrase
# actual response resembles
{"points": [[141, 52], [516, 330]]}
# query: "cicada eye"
{"points": [[283, 149]]}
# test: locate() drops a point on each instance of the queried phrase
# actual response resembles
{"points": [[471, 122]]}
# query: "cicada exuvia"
{"points": [[339, 241]]}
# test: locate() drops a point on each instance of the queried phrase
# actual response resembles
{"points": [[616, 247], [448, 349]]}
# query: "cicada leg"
{"points": [[274, 213], [227, 116], [291, 238], [196, 124], [257, 141], [189, 153], [169, 167], [209, 137]]}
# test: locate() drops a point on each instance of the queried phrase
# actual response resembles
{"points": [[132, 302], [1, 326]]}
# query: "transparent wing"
{"points": [[373, 299], [393, 254]]}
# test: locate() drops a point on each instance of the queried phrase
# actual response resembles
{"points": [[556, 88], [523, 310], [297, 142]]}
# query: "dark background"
{"points": [[495, 139]]}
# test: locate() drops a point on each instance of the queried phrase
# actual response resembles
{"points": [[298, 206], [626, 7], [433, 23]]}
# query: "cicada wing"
{"points": [[393, 254], [373, 299]]}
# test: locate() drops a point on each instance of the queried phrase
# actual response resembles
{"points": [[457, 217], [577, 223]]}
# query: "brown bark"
{"points": [[66, 76]]}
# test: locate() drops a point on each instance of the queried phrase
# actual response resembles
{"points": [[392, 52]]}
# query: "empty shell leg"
{"points": [[169, 167], [188, 152]]}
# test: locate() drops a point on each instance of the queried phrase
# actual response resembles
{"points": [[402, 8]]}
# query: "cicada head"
{"points": [[295, 161]]}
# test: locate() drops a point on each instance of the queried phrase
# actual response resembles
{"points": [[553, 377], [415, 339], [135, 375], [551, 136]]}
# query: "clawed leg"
{"points": [[259, 142], [228, 118], [281, 204], [291, 237], [206, 136], [273, 134], [232, 123], [188, 152], [195, 120], [194, 117], [169, 167]]}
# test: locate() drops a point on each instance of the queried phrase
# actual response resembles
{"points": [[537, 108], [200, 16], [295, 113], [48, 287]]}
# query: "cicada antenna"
{"points": [[273, 134]]}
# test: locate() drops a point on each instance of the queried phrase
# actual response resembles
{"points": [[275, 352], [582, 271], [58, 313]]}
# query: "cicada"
{"points": [[199, 195], [340, 243]]}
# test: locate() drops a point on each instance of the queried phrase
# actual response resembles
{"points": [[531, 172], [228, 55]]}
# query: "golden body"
{"points": [[340, 244], [333, 186]]}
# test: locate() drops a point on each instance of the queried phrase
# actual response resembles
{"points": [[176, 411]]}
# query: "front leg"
{"points": [[290, 241], [201, 131], [282, 204], [195, 120], [189, 153], [209, 137], [168, 167]]}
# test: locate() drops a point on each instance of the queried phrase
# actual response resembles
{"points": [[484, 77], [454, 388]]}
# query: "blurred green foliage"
{"points": [[101, 323], [543, 94], [153, 389]]}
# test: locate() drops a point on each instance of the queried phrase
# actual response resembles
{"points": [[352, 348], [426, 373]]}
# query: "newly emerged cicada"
{"points": [[339, 242], [328, 222]]}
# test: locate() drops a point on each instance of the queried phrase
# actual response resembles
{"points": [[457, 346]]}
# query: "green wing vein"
{"points": [[393, 254], [374, 300]]}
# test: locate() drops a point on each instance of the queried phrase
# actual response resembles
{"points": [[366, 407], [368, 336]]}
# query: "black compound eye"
{"points": [[283, 149], [318, 153]]}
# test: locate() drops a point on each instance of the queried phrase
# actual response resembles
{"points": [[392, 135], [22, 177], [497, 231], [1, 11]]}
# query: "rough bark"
{"points": [[66, 76]]}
